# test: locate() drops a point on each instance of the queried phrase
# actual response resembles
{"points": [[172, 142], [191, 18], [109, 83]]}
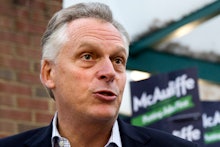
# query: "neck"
{"points": [[83, 133]]}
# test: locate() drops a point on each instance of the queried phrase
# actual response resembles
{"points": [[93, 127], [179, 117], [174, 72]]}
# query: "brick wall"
{"points": [[24, 103]]}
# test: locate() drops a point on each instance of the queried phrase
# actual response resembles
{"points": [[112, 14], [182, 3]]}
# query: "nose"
{"points": [[106, 71]]}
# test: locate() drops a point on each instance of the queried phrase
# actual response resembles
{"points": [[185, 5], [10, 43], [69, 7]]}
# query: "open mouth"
{"points": [[105, 95]]}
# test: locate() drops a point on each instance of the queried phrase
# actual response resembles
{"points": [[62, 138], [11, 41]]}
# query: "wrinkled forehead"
{"points": [[97, 28]]}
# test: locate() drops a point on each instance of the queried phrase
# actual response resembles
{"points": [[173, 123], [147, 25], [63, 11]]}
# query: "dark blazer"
{"points": [[131, 136]]}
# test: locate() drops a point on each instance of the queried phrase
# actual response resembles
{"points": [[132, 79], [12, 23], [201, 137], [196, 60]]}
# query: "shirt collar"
{"points": [[114, 138], [55, 132]]}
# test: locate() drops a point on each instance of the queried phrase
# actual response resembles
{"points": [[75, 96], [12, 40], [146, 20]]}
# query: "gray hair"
{"points": [[55, 35]]}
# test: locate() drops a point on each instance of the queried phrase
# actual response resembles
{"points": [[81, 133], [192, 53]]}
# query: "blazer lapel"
{"points": [[131, 136], [42, 138]]}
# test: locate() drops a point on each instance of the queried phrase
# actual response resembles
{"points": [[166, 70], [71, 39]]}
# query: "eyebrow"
{"points": [[94, 45]]}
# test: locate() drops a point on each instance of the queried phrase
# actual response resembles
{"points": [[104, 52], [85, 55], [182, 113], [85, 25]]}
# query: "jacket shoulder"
{"points": [[18, 140]]}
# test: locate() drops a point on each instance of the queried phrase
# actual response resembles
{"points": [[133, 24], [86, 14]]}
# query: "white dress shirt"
{"points": [[63, 142]]}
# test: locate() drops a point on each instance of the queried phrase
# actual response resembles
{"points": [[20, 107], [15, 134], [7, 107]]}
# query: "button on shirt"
{"points": [[58, 141]]}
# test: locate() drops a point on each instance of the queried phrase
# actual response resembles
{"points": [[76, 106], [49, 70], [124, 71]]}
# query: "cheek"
{"points": [[79, 81], [71, 85], [66, 78], [122, 81], [121, 86], [69, 72], [81, 75]]}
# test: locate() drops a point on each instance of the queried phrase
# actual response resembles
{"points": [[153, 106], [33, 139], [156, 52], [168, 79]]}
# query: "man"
{"points": [[83, 67]]}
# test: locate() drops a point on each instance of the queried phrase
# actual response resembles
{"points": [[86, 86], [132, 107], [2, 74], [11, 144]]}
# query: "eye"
{"points": [[87, 56], [119, 61]]}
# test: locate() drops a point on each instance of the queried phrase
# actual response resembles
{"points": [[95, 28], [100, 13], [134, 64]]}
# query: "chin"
{"points": [[105, 115], [103, 112]]}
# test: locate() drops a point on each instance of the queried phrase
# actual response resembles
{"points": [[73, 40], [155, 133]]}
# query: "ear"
{"points": [[47, 74]]}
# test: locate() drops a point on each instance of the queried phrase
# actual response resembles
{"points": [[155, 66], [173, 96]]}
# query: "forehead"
{"points": [[90, 24], [96, 29]]}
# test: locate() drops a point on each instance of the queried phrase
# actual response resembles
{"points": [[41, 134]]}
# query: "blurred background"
{"points": [[165, 36]]}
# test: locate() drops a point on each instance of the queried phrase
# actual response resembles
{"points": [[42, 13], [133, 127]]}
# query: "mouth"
{"points": [[105, 95]]}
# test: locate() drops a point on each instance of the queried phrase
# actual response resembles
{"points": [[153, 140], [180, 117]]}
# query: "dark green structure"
{"points": [[143, 57]]}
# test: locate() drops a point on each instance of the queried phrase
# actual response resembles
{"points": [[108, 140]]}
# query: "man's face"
{"points": [[89, 72]]}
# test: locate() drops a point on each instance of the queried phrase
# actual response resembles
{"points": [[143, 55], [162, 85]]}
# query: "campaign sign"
{"points": [[211, 123], [187, 126], [169, 102]]}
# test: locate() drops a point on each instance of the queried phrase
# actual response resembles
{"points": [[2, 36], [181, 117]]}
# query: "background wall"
{"points": [[24, 103]]}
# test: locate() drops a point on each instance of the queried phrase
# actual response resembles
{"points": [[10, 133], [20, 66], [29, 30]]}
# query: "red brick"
{"points": [[36, 67], [15, 115], [14, 89], [55, 9], [41, 5], [29, 27], [6, 3], [13, 63], [14, 37], [35, 41], [22, 13], [36, 29], [40, 16], [6, 126], [43, 117], [22, 23], [6, 49], [2, 135], [19, 64], [28, 78], [6, 10], [57, 3], [52, 106], [28, 53], [22, 26], [26, 127], [7, 100], [40, 92], [7, 75], [30, 103], [6, 22]]}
